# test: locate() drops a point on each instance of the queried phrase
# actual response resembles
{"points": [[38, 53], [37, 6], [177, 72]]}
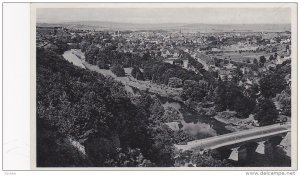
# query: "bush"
{"points": [[171, 115], [175, 82], [101, 64], [118, 70], [136, 73], [286, 106], [128, 158], [207, 159]]}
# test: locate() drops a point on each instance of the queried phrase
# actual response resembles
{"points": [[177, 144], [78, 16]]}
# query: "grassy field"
{"points": [[242, 57]]}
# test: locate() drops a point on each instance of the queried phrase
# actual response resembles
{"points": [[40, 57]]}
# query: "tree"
{"points": [[237, 74], [244, 106], [228, 96], [175, 82], [271, 84], [271, 57], [262, 59], [220, 96], [148, 74], [197, 65], [286, 106], [167, 74], [162, 149], [136, 73], [253, 91], [170, 115], [146, 56], [118, 70], [194, 91], [255, 61], [91, 54], [156, 110], [275, 56], [266, 112], [62, 46], [140, 76], [101, 64], [225, 95]]}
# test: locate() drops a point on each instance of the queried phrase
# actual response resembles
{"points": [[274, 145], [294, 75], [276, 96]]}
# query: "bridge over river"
{"points": [[239, 145]]}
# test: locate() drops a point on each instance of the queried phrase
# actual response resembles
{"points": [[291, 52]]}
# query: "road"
{"points": [[236, 137]]}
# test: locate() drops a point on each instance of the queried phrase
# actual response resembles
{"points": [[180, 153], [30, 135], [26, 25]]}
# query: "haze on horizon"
{"points": [[167, 15]]}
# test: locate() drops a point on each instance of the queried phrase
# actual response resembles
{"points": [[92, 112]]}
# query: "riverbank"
{"points": [[233, 123]]}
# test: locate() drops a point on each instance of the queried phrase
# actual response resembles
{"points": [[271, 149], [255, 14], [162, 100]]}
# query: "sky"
{"points": [[167, 15]]}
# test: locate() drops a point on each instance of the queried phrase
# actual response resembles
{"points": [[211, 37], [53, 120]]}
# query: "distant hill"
{"points": [[238, 27], [205, 28]]}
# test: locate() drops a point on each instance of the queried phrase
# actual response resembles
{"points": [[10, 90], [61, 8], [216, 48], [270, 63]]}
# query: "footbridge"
{"points": [[239, 145]]}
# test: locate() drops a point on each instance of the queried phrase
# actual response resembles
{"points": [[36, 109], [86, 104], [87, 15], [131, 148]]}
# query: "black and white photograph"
{"points": [[164, 85]]}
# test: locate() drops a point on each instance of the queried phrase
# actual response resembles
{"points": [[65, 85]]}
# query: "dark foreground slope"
{"points": [[85, 119]]}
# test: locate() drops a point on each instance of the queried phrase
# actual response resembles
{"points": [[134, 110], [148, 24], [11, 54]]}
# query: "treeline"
{"points": [[101, 50], [107, 57], [160, 72], [228, 96], [274, 83]]}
